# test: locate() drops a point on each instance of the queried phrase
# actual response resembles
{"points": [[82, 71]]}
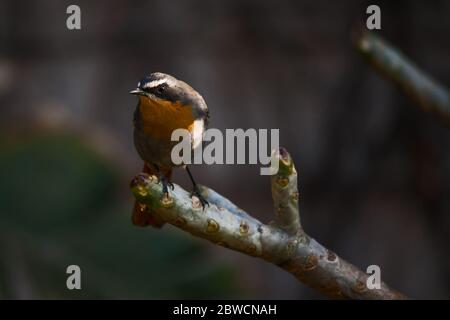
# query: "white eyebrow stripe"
{"points": [[156, 83]]}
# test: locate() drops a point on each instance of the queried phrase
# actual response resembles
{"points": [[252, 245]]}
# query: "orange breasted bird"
{"points": [[165, 104]]}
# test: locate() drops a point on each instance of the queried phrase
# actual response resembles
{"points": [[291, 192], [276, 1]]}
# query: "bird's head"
{"points": [[159, 87], [162, 89]]}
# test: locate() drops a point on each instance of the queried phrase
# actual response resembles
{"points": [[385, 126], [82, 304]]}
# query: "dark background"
{"points": [[374, 171]]}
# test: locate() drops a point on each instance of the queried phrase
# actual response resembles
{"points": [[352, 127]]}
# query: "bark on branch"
{"points": [[282, 242], [426, 92]]}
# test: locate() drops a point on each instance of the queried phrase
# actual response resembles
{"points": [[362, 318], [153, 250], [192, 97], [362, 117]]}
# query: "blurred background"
{"points": [[374, 171]]}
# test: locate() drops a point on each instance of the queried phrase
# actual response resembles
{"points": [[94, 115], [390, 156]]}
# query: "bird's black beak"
{"points": [[137, 92]]}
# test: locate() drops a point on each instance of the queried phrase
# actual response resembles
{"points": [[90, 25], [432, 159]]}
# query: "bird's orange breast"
{"points": [[161, 118]]}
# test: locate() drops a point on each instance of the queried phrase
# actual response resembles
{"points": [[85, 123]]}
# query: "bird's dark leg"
{"points": [[164, 181], [195, 191]]}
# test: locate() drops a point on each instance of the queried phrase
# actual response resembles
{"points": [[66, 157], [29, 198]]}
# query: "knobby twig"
{"points": [[429, 95], [282, 242]]}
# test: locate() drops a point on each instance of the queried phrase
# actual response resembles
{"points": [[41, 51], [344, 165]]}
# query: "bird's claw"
{"points": [[165, 183], [196, 192]]}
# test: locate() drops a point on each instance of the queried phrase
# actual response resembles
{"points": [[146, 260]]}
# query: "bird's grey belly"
{"points": [[151, 150]]}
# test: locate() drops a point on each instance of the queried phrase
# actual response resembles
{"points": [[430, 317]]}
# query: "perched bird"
{"points": [[165, 104]]}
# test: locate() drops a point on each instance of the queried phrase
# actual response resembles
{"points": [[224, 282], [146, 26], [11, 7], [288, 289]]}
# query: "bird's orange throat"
{"points": [[161, 118]]}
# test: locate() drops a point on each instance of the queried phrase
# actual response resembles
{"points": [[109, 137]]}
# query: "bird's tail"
{"points": [[142, 215]]}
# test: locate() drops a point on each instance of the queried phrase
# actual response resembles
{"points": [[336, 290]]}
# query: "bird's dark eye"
{"points": [[161, 88]]}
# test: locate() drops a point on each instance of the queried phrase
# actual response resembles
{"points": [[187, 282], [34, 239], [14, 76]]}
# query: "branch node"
{"points": [[166, 201], [243, 228], [282, 182], [331, 256], [310, 263], [212, 226], [196, 203]]}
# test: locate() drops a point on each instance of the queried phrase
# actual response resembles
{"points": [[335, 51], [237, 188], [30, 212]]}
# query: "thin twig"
{"points": [[282, 242], [426, 92]]}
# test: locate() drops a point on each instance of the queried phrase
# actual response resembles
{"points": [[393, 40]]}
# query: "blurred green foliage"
{"points": [[60, 205]]}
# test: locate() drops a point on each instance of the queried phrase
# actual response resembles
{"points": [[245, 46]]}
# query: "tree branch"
{"points": [[282, 242], [429, 95]]}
